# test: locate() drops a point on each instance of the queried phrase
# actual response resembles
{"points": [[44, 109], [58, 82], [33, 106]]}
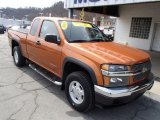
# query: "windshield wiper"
{"points": [[97, 40], [93, 40]]}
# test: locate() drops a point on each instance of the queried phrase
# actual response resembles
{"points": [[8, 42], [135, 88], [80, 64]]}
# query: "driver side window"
{"points": [[48, 27]]}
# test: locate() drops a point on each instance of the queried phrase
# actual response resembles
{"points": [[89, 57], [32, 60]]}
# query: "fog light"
{"points": [[114, 80], [118, 81]]}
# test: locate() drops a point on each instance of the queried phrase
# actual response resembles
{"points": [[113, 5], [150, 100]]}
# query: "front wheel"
{"points": [[79, 91]]}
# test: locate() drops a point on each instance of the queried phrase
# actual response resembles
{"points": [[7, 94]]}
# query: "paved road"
{"points": [[25, 95]]}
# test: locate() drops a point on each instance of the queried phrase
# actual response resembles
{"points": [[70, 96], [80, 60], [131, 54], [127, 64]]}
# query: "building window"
{"points": [[140, 27]]}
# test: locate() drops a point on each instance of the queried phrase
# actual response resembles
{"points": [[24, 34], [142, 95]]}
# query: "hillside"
{"points": [[20, 13], [56, 10]]}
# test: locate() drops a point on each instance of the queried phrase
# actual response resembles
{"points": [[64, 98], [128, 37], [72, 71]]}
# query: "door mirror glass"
{"points": [[52, 39]]}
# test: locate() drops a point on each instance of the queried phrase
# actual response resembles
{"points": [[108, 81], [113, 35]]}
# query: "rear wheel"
{"points": [[19, 60], [79, 91]]}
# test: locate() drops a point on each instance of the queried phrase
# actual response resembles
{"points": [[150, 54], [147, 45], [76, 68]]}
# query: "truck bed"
{"points": [[21, 30], [20, 35]]}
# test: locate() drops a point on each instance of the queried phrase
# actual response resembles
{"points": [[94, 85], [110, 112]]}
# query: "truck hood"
{"points": [[111, 53]]}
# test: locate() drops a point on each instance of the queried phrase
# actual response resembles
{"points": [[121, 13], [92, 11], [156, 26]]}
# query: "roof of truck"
{"points": [[61, 18]]}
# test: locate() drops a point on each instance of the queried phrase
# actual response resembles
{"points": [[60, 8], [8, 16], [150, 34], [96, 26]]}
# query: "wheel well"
{"points": [[14, 43], [69, 68]]}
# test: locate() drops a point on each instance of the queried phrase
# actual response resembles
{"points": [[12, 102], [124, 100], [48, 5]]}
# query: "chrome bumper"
{"points": [[122, 91]]}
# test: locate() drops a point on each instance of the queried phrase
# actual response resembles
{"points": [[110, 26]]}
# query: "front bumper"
{"points": [[124, 94]]}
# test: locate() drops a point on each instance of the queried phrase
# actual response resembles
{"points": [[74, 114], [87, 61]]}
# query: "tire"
{"points": [[2, 32], [19, 60], [83, 81]]}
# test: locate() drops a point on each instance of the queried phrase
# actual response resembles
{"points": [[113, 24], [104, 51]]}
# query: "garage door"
{"points": [[156, 41]]}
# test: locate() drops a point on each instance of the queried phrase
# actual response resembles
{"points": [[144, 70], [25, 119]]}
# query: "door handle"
{"points": [[38, 42]]}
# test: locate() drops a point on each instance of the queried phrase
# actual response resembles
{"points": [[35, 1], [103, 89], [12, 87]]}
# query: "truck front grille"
{"points": [[140, 68], [141, 76]]}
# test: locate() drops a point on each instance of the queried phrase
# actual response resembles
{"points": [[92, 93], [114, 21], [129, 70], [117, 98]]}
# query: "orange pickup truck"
{"points": [[78, 56]]}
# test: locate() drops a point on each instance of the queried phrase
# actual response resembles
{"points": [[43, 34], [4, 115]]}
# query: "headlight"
{"points": [[117, 68], [111, 80]]}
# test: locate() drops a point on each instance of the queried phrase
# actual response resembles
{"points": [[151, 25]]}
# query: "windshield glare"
{"points": [[81, 32]]}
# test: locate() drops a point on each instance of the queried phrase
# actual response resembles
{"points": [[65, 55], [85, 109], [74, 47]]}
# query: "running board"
{"points": [[45, 74]]}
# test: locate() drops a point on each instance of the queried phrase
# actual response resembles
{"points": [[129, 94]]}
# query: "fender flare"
{"points": [[12, 45], [83, 65]]}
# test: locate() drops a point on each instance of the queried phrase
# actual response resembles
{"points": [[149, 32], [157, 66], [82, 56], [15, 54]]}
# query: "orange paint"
{"points": [[51, 56]]}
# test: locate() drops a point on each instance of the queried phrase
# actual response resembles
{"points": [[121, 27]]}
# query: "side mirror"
{"points": [[52, 39]]}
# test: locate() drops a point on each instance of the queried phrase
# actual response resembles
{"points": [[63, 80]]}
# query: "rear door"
{"points": [[49, 53], [32, 43]]}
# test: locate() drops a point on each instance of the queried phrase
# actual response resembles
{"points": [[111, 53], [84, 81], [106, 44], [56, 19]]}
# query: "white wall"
{"points": [[124, 22], [88, 3]]}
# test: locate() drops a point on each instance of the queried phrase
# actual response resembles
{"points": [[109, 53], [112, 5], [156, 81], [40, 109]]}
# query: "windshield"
{"points": [[82, 32]]}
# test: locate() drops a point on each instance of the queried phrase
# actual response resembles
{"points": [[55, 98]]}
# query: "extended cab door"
{"points": [[49, 53], [32, 42]]}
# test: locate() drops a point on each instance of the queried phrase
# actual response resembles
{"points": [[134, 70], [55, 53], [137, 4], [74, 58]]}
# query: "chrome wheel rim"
{"points": [[16, 57], [76, 92]]}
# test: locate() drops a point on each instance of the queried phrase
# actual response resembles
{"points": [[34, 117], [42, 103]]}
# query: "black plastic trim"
{"points": [[14, 40], [83, 65]]}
